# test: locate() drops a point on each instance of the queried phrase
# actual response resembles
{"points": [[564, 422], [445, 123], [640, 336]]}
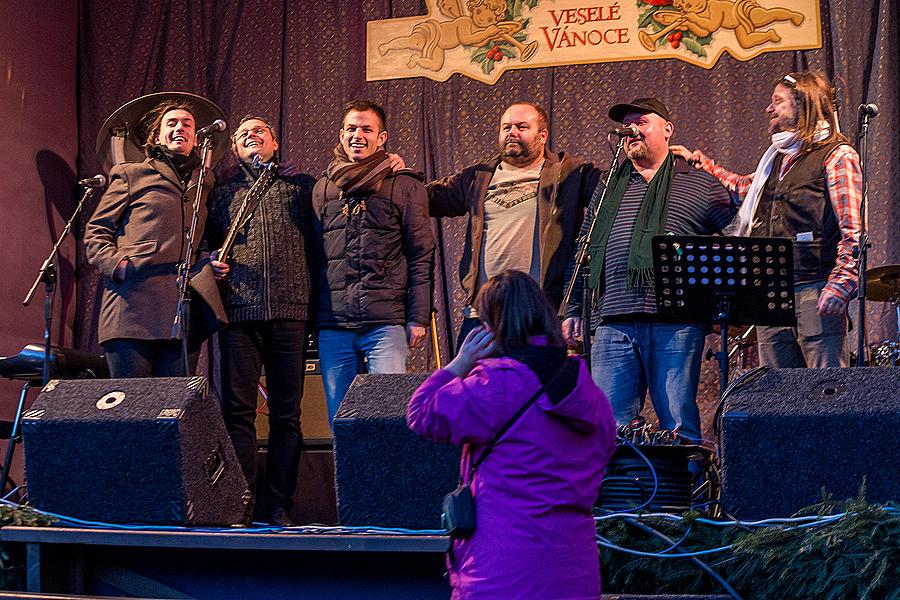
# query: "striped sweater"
{"points": [[698, 205]]}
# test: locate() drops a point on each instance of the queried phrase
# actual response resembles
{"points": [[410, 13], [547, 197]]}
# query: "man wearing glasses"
{"points": [[265, 284]]}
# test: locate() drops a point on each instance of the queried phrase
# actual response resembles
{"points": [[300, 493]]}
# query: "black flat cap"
{"points": [[641, 105]]}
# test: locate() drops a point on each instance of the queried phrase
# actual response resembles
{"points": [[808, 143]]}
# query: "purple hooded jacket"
{"points": [[534, 534]]}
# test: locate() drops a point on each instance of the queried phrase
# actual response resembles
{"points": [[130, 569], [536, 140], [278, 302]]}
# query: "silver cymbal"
{"points": [[121, 138]]}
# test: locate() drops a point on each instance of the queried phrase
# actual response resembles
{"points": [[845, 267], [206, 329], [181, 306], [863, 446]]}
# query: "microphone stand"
{"points": [[47, 274], [180, 325], [582, 262], [862, 248]]}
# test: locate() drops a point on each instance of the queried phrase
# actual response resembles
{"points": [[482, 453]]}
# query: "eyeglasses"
{"points": [[257, 131]]}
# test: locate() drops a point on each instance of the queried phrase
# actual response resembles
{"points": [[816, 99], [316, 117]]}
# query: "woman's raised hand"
{"points": [[479, 343]]}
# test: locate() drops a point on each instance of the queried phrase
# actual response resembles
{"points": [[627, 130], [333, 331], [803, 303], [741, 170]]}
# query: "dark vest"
{"points": [[799, 205]]}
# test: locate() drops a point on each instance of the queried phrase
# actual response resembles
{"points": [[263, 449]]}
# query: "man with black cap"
{"points": [[650, 194]]}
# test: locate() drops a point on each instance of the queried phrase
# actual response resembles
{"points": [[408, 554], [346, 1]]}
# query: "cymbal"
{"points": [[121, 138], [883, 283]]}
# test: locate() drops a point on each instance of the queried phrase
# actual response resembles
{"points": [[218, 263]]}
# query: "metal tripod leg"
{"points": [[14, 437]]}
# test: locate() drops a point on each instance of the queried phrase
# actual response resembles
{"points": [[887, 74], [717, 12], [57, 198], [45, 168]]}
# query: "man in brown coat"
{"points": [[136, 237]]}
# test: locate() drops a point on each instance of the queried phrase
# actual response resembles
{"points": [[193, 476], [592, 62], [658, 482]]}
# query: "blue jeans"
{"points": [[341, 353], [815, 342], [629, 357]]}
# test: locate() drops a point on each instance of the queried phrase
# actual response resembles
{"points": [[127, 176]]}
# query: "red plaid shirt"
{"points": [[844, 181]]}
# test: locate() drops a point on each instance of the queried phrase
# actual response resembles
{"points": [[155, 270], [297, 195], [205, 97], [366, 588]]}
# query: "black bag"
{"points": [[458, 508], [458, 512]]}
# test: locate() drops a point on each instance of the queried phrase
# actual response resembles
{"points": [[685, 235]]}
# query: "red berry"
{"points": [[678, 36], [671, 37], [675, 44]]}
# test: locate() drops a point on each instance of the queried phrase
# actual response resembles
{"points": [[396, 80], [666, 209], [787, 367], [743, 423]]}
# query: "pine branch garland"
{"points": [[855, 556]]}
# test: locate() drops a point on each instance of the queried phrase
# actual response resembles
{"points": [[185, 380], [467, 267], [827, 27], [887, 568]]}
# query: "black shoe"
{"points": [[280, 517]]}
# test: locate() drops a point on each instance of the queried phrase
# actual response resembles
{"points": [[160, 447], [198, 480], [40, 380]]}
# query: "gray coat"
{"points": [[143, 216]]}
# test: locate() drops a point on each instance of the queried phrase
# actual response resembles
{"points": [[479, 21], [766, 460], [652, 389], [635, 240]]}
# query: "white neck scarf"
{"points": [[784, 142]]}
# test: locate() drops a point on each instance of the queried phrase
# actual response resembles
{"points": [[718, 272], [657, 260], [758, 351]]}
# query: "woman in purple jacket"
{"points": [[534, 534]]}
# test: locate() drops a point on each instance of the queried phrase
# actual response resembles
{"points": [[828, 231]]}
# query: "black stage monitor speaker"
{"points": [[149, 450], [789, 433], [385, 474]]}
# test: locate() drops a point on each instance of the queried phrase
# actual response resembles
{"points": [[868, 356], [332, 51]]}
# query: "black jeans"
{"points": [[129, 357], [280, 345]]}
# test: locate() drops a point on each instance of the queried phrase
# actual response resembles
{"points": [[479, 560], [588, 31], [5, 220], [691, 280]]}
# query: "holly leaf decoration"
{"points": [[693, 47], [646, 17], [487, 66], [505, 49], [479, 56]]}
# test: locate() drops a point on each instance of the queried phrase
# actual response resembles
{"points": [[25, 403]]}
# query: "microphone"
{"points": [[869, 110], [627, 131], [217, 125], [95, 181]]}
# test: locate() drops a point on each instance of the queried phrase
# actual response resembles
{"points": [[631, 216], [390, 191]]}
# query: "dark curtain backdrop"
{"points": [[299, 62]]}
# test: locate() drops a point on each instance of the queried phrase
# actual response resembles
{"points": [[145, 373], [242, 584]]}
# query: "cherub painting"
{"points": [[432, 38], [703, 17]]}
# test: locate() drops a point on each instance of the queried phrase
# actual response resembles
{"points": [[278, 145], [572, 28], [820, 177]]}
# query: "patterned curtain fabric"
{"points": [[299, 62]]}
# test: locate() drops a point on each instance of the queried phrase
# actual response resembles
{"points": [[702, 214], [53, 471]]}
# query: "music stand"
{"points": [[724, 280]]}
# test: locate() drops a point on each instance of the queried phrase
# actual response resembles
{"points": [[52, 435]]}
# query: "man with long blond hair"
{"points": [[807, 187]]}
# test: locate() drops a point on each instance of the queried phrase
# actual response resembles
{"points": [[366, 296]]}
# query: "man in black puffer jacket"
{"points": [[376, 253], [267, 296]]}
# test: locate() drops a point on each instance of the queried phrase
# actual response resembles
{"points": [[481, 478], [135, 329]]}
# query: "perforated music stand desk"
{"points": [[724, 280]]}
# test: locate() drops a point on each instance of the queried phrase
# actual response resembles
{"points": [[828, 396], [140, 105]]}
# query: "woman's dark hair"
{"points": [[515, 308]]}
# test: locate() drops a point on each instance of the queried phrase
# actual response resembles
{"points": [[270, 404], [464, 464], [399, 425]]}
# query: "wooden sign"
{"points": [[482, 39]]}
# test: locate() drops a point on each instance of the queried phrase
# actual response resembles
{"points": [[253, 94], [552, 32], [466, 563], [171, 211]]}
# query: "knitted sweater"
{"points": [[270, 274]]}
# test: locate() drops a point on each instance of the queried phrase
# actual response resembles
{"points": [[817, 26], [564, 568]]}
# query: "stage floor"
{"points": [[222, 564]]}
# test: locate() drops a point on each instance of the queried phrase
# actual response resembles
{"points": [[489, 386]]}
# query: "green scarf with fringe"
{"points": [[651, 220]]}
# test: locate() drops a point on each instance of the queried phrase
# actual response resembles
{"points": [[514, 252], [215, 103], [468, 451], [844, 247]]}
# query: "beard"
{"points": [[637, 152], [517, 152], [785, 123]]}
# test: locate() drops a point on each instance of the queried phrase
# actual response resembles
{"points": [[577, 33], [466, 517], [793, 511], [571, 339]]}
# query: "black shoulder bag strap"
{"points": [[493, 441]]}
